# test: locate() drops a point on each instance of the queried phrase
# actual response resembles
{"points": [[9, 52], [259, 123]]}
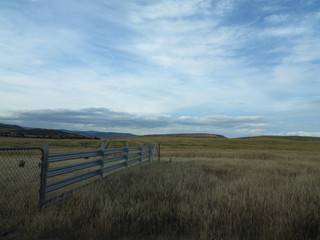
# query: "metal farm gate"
{"points": [[32, 178]]}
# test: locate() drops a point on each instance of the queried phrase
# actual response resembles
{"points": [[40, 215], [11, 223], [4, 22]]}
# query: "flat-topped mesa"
{"points": [[188, 135]]}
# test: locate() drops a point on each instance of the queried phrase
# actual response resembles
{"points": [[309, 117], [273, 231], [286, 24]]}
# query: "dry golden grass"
{"points": [[198, 199], [256, 188]]}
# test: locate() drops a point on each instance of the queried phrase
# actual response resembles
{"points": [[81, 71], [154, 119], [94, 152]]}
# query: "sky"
{"points": [[233, 67]]}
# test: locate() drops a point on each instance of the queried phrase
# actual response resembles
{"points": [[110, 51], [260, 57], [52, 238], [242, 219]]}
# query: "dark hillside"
{"points": [[9, 127], [8, 130]]}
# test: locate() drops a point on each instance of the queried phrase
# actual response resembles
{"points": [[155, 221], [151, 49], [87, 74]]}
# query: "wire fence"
{"points": [[19, 185]]}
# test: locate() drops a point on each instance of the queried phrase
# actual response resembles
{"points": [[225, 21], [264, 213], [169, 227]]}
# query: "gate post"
{"points": [[140, 152], [102, 148], [127, 154], [158, 153], [43, 175], [150, 152]]}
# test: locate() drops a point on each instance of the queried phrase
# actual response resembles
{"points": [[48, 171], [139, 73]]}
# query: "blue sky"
{"points": [[231, 67]]}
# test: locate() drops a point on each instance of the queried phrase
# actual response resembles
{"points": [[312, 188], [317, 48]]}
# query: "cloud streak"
{"points": [[107, 120], [196, 58]]}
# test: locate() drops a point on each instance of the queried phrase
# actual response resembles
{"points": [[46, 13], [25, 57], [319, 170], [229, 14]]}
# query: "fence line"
{"points": [[33, 177], [63, 173]]}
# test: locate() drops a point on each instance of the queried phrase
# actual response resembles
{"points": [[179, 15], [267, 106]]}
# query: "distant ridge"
{"points": [[188, 135], [9, 127], [8, 130], [295, 138], [101, 134]]}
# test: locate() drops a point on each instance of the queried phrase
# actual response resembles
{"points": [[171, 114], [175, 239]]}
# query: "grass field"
{"points": [[248, 188]]}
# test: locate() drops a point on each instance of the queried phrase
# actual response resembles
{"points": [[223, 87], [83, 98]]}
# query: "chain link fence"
{"points": [[19, 185]]}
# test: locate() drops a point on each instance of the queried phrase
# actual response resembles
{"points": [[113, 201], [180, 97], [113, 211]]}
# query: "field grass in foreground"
{"points": [[263, 188], [196, 199]]}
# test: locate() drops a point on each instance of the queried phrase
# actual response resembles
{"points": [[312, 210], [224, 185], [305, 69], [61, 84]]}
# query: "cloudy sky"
{"points": [[231, 67]]}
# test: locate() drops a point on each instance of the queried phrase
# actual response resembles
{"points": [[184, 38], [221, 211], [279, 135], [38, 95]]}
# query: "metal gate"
{"points": [[24, 174]]}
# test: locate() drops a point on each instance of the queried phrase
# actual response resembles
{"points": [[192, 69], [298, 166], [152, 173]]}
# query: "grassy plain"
{"points": [[248, 188]]}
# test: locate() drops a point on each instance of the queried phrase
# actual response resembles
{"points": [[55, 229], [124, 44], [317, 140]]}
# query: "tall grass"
{"points": [[195, 199], [225, 190]]}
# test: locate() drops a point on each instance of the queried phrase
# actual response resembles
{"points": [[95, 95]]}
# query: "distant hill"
{"points": [[188, 135], [8, 130], [101, 134], [295, 138]]}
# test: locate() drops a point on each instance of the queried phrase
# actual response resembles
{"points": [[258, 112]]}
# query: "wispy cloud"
{"points": [[107, 120], [195, 58], [276, 18], [302, 133]]}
